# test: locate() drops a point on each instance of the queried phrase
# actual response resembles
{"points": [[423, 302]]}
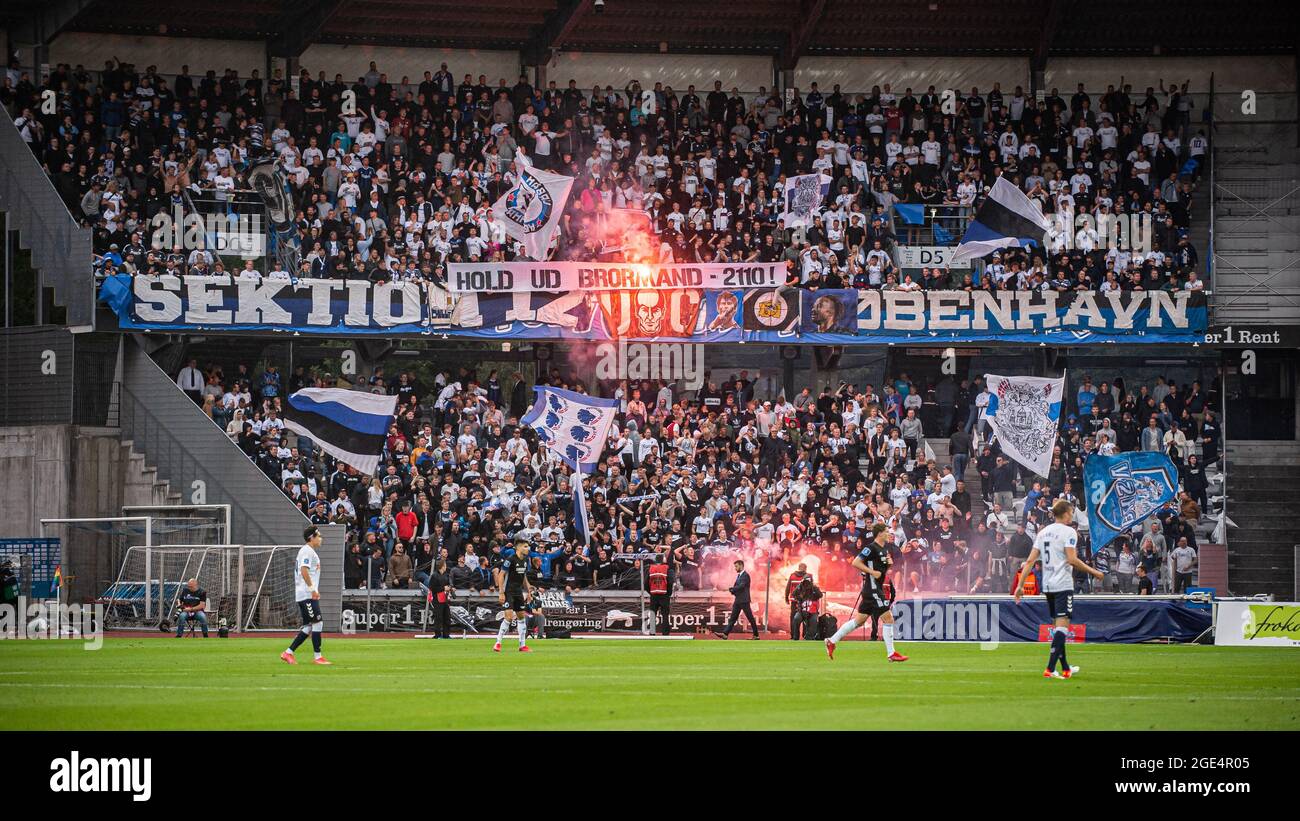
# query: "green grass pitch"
{"points": [[157, 683]]}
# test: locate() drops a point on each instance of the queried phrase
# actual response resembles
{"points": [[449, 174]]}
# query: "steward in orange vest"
{"points": [[659, 583]]}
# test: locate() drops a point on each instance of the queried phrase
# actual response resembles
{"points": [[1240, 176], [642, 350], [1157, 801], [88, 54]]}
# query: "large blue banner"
{"points": [[773, 315], [1124, 490], [999, 618]]}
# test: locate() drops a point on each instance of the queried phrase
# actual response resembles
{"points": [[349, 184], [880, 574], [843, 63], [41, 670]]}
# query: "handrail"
{"points": [[61, 248], [154, 435], [175, 458]]}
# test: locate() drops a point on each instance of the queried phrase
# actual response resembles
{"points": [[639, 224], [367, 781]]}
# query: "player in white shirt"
{"points": [[1057, 544], [306, 588]]}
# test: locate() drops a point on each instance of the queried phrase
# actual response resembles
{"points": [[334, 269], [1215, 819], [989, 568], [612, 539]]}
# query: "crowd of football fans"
{"points": [[401, 184], [721, 474]]}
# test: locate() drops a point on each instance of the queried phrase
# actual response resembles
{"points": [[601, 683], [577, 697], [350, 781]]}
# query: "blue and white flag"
{"points": [[349, 425], [530, 211], [573, 425], [1006, 218], [802, 198], [1024, 412], [1124, 490]]}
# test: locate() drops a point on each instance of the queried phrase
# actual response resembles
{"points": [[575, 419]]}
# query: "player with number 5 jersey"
{"points": [[1057, 546], [306, 585]]}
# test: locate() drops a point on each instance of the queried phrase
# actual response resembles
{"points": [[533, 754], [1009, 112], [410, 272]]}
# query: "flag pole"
{"points": [[580, 503]]}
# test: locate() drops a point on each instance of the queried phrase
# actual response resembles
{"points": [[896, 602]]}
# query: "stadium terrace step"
{"points": [[1250, 558], [1253, 541], [1261, 476], [1257, 575], [1249, 523], [142, 481], [1262, 500], [189, 447]]}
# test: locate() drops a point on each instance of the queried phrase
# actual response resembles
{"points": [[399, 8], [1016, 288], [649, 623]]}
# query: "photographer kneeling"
{"points": [[806, 599], [194, 604]]}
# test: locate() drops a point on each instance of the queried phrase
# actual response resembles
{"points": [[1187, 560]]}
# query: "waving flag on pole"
{"points": [[1024, 412], [573, 425], [530, 211], [1124, 490], [349, 425], [1006, 218]]}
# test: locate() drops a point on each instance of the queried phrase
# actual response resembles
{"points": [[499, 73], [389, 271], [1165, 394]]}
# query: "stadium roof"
{"points": [[785, 29]]}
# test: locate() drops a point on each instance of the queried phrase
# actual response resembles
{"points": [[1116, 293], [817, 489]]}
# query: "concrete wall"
{"points": [[67, 472], [354, 61], [168, 53], [36, 474], [859, 74], [1272, 73], [747, 73]]}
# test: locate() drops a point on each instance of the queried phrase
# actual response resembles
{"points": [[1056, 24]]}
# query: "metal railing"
{"points": [[173, 456], [60, 247]]}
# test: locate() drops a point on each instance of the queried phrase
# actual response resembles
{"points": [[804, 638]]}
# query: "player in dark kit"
{"points": [[516, 593], [873, 563]]}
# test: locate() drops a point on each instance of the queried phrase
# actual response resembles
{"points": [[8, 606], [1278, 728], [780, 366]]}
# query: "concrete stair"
{"points": [[971, 477], [1262, 477], [142, 480], [1257, 217]]}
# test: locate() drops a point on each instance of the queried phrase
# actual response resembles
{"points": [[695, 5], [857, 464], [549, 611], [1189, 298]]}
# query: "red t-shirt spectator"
{"points": [[406, 523]]}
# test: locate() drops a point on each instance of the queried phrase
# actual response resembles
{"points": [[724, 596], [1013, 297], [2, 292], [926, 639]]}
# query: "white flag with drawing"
{"points": [[1024, 412]]}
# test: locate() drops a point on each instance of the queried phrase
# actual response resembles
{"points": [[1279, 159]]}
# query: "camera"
{"points": [[599, 6]]}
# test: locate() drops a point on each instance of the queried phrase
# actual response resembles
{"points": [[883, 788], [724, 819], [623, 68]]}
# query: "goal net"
{"points": [[250, 587]]}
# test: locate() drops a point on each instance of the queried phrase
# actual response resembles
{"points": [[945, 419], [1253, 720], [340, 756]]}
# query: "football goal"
{"points": [[249, 587]]}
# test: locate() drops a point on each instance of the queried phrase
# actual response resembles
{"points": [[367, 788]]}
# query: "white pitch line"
{"points": [[296, 687]]}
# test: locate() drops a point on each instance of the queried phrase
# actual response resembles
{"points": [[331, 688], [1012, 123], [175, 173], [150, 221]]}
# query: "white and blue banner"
{"points": [[664, 312], [1124, 490], [530, 211], [349, 425], [573, 425], [1024, 412]]}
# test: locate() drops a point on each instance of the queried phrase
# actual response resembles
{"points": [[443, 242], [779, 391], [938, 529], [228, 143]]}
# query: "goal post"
{"points": [[250, 587]]}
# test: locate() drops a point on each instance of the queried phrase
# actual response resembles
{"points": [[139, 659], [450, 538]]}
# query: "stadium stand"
{"points": [[401, 187]]}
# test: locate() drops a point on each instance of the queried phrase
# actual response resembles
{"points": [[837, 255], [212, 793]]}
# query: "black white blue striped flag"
{"points": [[349, 425], [1006, 218]]}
